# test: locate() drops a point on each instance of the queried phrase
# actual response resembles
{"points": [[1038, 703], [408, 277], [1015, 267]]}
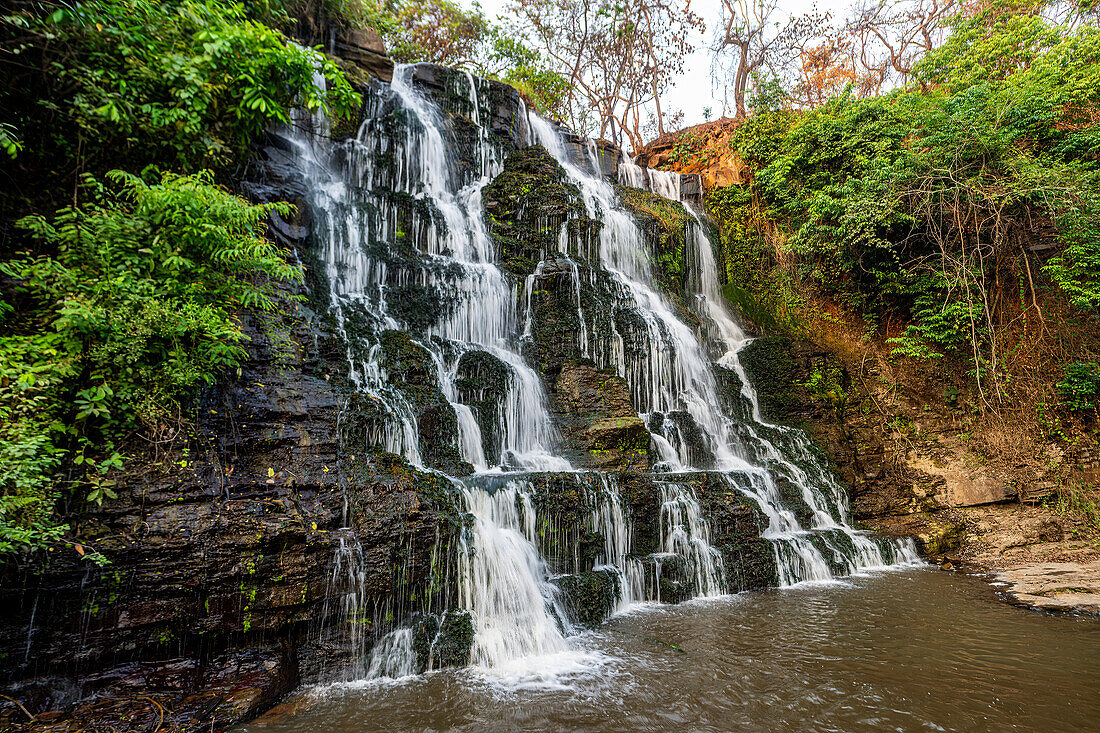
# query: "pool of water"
{"points": [[910, 650]]}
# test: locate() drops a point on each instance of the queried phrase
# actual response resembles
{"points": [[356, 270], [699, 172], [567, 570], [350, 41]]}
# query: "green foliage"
{"points": [[438, 31], [939, 322], [766, 293], [188, 83], [9, 140], [312, 15], [687, 147], [134, 307], [827, 176], [768, 94], [1082, 501], [1079, 387], [29, 374], [909, 207], [522, 68], [825, 383]]}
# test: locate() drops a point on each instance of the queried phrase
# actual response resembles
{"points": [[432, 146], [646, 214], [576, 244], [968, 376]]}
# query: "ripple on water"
{"points": [[915, 650]]}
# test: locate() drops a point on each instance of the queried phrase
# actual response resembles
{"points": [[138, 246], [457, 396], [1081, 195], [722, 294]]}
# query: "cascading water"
{"points": [[516, 611], [676, 368], [686, 535], [396, 208]]}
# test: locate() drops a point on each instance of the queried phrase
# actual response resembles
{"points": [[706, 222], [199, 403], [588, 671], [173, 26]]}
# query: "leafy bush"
{"points": [[922, 207], [513, 63], [1079, 387], [135, 306], [109, 83]]}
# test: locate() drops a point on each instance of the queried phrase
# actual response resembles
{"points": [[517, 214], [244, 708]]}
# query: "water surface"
{"points": [[911, 650]]}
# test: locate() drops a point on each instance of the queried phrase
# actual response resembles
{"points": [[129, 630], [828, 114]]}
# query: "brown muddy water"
{"points": [[909, 650]]}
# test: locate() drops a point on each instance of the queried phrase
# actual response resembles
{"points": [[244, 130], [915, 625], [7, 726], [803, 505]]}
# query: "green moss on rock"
{"points": [[527, 205], [482, 381], [442, 642], [412, 370], [590, 597], [665, 225], [771, 370], [736, 523], [599, 419]]}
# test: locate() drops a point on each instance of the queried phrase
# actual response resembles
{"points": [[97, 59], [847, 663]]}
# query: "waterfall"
{"points": [[393, 657], [687, 535], [398, 210], [516, 612], [611, 521], [676, 376]]}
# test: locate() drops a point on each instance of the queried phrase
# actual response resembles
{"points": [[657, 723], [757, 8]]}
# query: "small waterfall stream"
{"points": [[516, 612], [396, 207]]}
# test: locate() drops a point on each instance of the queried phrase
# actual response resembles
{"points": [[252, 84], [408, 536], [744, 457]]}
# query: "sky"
{"points": [[694, 91]]}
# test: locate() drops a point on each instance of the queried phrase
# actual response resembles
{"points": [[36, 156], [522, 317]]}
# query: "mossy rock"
{"points": [[940, 537], [417, 306], [736, 524], [410, 220], [482, 381], [564, 502], [437, 427], [413, 371], [527, 205], [640, 494], [598, 419], [771, 370], [692, 438], [729, 385], [750, 564], [443, 641], [557, 331], [556, 326], [790, 495], [665, 225], [590, 597], [825, 541], [669, 578]]}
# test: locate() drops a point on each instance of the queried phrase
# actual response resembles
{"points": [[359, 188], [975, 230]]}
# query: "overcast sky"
{"points": [[695, 91]]}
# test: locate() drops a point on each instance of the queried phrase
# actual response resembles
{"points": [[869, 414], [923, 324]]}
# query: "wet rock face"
{"points": [[598, 417], [590, 596], [221, 552], [410, 365], [556, 327], [545, 241], [770, 366], [736, 524], [563, 503], [162, 696], [528, 204], [482, 382], [505, 112], [664, 224], [443, 640]]}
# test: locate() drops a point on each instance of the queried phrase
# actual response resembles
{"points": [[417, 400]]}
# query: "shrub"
{"points": [[1079, 387], [135, 307], [109, 83]]}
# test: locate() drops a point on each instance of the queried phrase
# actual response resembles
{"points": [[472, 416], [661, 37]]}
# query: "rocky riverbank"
{"points": [[922, 472]]}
